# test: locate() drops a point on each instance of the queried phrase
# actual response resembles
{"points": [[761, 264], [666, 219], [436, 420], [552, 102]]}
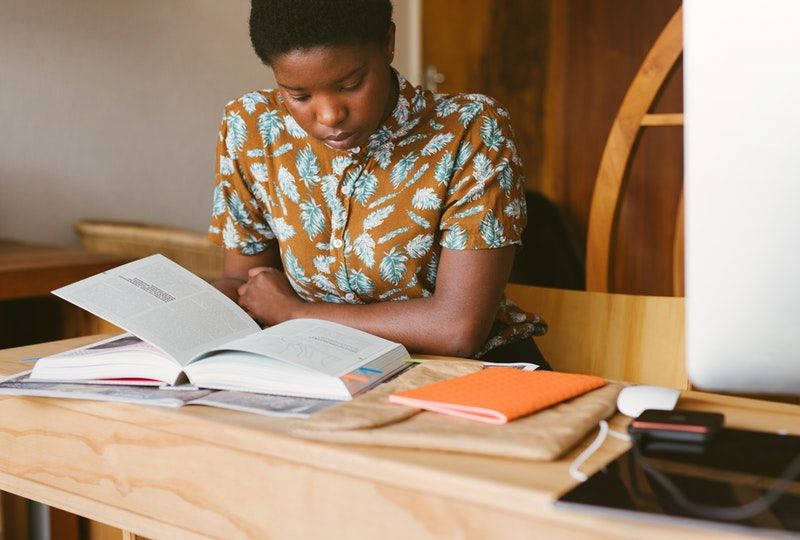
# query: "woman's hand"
{"points": [[229, 286], [268, 297]]}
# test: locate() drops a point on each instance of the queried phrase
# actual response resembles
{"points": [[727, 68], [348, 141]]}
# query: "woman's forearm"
{"points": [[423, 325], [454, 320]]}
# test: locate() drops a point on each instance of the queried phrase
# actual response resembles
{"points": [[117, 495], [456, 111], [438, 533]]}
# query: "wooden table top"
{"points": [[201, 472], [30, 270]]}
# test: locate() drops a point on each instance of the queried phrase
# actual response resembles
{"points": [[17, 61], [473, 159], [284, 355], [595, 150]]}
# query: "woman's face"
{"points": [[339, 94]]}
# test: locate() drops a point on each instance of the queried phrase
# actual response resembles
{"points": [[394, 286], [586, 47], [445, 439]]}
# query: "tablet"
{"points": [[709, 485]]}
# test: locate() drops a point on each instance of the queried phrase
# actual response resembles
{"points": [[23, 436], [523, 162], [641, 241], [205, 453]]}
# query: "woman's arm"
{"points": [[235, 267], [456, 320]]}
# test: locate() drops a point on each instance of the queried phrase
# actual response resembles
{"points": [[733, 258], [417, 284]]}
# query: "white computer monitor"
{"points": [[742, 194]]}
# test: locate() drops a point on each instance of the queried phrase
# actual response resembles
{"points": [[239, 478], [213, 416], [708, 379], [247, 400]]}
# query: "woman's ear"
{"points": [[389, 44]]}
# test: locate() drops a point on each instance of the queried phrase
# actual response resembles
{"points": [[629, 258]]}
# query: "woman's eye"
{"points": [[351, 87], [302, 97]]}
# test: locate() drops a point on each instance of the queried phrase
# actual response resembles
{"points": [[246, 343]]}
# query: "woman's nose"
{"points": [[331, 113]]}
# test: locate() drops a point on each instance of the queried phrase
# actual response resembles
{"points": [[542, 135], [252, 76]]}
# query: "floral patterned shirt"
{"points": [[368, 224]]}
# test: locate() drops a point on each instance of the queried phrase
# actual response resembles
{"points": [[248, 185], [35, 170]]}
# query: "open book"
{"points": [[181, 328]]}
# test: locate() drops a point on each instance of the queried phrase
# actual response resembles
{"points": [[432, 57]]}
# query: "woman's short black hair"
{"points": [[280, 26]]}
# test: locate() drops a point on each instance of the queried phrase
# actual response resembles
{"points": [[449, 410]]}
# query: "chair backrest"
{"points": [[633, 115], [616, 336], [190, 249]]}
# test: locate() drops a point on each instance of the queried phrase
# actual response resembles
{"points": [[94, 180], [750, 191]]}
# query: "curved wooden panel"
{"points": [[615, 161]]}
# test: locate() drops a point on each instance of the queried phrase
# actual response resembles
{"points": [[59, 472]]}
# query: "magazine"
{"points": [[168, 396]]}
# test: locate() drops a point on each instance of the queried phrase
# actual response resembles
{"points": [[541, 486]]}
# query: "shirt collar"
{"points": [[404, 117]]}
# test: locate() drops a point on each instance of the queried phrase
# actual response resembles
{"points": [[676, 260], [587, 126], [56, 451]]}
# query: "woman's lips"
{"points": [[341, 140]]}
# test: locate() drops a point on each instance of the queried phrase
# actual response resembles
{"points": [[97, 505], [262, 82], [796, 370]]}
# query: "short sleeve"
{"points": [[485, 203], [239, 217]]}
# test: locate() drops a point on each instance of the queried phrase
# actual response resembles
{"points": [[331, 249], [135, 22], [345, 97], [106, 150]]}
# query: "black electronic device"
{"points": [[675, 425], [717, 483]]}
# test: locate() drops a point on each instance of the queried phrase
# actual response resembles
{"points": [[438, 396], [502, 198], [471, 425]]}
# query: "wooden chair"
{"points": [[617, 336], [190, 249], [615, 163]]}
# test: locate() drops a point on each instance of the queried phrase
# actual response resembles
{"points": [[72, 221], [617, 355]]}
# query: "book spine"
{"points": [[375, 372]]}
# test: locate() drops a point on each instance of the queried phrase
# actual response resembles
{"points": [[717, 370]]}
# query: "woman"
{"points": [[350, 195]]}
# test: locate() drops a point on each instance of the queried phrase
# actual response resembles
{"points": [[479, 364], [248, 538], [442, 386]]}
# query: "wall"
{"points": [[110, 108]]}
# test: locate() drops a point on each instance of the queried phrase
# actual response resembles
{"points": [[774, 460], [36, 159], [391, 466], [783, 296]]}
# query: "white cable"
{"points": [[574, 468], [619, 435]]}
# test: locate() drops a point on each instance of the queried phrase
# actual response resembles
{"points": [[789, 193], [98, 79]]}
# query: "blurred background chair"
{"points": [[190, 249]]}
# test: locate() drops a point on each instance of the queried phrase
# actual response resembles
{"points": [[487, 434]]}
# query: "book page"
{"points": [[164, 304], [125, 343], [119, 357], [322, 346], [522, 366]]}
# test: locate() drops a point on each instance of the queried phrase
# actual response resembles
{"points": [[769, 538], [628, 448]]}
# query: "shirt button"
{"points": [[355, 150], [350, 297], [347, 190], [337, 243]]}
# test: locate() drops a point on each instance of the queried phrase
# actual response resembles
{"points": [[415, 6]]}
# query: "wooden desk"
{"points": [[199, 472], [28, 270]]}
